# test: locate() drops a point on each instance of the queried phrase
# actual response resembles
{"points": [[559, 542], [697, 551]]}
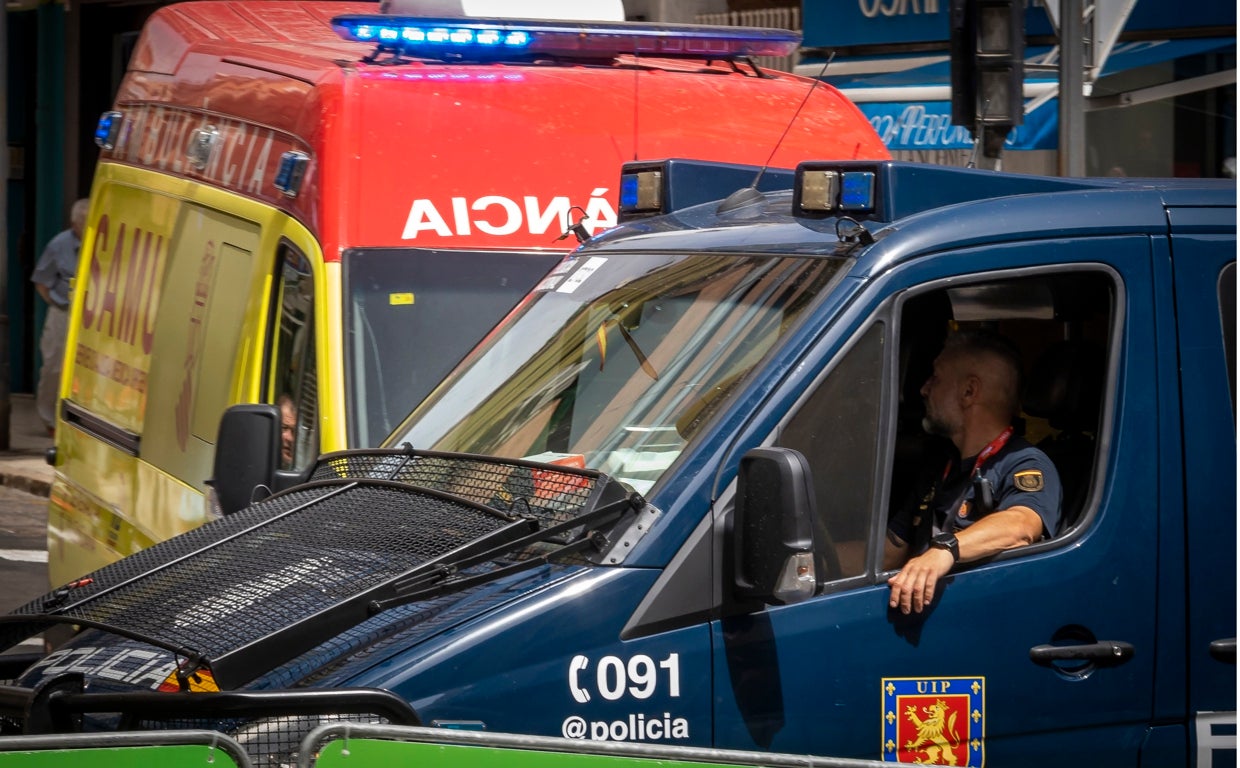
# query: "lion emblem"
{"points": [[936, 734]]}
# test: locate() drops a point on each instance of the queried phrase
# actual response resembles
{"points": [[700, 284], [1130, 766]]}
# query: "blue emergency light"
{"points": [[824, 189], [641, 191], [109, 129], [653, 187], [494, 39], [291, 172]]}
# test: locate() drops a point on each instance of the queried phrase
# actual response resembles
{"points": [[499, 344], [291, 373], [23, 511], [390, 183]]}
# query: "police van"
{"points": [[651, 506], [323, 205]]}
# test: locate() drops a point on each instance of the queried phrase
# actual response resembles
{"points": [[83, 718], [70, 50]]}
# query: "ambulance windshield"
{"points": [[616, 362], [412, 314]]}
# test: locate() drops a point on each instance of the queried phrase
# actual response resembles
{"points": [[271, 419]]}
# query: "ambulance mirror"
{"points": [[247, 455], [774, 528]]}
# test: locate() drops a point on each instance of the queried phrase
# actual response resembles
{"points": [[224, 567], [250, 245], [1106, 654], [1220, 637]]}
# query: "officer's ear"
{"points": [[970, 388]]}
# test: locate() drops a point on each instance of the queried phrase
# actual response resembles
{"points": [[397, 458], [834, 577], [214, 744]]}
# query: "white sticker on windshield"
{"points": [[583, 272], [554, 276]]}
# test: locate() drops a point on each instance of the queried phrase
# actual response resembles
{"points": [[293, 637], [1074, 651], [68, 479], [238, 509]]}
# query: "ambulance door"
{"points": [[1038, 656], [198, 332], [1205, 287]]}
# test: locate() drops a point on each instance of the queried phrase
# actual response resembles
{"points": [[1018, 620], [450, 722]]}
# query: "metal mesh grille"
{"points": [[291, 557], [548, 493], [244, 588]]}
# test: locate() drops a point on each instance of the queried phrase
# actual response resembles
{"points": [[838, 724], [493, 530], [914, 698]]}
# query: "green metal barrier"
{"points": [[340, 745], [140, 749]]}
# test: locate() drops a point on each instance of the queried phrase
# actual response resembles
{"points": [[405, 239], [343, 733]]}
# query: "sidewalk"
{"points": [[24, 465]]}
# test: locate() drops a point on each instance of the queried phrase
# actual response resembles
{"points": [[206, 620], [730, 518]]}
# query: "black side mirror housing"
{"points": [[247, 455], [773, 531]]}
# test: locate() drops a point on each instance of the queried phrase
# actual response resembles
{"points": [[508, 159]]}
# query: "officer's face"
{"points": [[943, 415]]}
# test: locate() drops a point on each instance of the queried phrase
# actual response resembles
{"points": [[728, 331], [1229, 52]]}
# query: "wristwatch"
{"points": [[949, 542]]}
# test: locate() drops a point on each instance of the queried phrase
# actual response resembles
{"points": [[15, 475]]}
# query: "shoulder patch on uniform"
{"points": [[1029, 480]]}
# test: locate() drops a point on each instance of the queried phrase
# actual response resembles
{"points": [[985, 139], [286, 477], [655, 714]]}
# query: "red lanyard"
{"points": [[991, 449]]}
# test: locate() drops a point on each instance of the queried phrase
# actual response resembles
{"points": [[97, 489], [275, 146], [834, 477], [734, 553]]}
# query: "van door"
{"points": [[1205, 287], [959, 684]]}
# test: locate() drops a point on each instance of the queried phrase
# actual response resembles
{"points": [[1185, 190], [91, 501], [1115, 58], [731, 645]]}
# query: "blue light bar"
{"points": [[109, 129], [840, 188], [455, 39]]}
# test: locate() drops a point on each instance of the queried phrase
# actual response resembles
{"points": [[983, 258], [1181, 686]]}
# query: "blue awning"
{"points": [[918, 113]]}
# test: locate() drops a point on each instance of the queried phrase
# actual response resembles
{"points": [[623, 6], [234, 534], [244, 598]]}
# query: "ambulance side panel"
{"points": [[175, 284]]}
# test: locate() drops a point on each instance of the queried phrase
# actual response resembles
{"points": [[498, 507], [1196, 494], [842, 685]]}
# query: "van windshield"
{"points": [[411, 314], [615, 362]]}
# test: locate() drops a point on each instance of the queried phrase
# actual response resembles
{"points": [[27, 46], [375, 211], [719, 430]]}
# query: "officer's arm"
{"points": [[913, 588], [998, 532]]}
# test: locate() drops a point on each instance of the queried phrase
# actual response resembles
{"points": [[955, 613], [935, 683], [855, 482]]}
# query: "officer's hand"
{"points": [[913, 587]]}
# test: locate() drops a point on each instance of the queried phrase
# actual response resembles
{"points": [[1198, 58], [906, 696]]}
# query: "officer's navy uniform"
{"points": [[1019, 474]]}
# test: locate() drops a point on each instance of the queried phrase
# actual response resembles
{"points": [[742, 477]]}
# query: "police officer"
{"points": [[998, 493]]}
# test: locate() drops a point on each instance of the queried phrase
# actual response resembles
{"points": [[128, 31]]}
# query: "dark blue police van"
{"points": [[652, 505]]}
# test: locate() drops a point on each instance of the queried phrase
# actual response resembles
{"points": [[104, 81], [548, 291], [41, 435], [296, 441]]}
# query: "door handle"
{"points": [[1224, 650], [1102, 652]]}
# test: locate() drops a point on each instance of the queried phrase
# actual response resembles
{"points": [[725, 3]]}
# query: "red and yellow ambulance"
{"points": [[319, 205]]}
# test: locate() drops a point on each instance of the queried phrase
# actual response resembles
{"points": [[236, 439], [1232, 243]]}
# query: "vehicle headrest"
{"points": [[1065, 386]]}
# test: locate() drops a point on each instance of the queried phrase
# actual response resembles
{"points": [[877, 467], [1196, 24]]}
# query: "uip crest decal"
{"points": [[934, 721]]}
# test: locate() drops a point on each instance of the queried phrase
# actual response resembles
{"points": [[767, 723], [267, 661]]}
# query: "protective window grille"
{"points": [[774, 18]]}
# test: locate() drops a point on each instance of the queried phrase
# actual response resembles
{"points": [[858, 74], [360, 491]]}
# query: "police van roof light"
{"points": [[857, 191], [819, 190], [109, 129], [834, 189], [291, 172], [445, 38], [641, 192]]}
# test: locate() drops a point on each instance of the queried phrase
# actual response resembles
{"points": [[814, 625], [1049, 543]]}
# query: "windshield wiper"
{"points": [[434, 579]]}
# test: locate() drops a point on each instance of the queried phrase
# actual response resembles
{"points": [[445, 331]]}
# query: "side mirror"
{"points": [[247, 454], [773, 532]]}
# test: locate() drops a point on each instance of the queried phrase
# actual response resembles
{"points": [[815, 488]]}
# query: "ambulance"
{"points": [[324, 206], [650, 509]]}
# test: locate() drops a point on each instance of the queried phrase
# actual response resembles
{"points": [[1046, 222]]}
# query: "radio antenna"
{"points": [[795, 115], [636, 100]]}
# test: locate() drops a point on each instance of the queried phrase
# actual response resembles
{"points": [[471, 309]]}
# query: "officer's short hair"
{"points": [[983, 343]]}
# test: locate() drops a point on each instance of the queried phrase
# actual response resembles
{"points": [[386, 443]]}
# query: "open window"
{"points": [[1061, 322], [293, 382]]}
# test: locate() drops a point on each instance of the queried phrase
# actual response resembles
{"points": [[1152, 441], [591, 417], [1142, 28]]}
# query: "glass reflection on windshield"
{"points": [[616, 364]]}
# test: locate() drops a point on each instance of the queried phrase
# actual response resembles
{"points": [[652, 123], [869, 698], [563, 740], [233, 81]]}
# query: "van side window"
{"points": [[1061, 324], [836, 429], [293, 370]]}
